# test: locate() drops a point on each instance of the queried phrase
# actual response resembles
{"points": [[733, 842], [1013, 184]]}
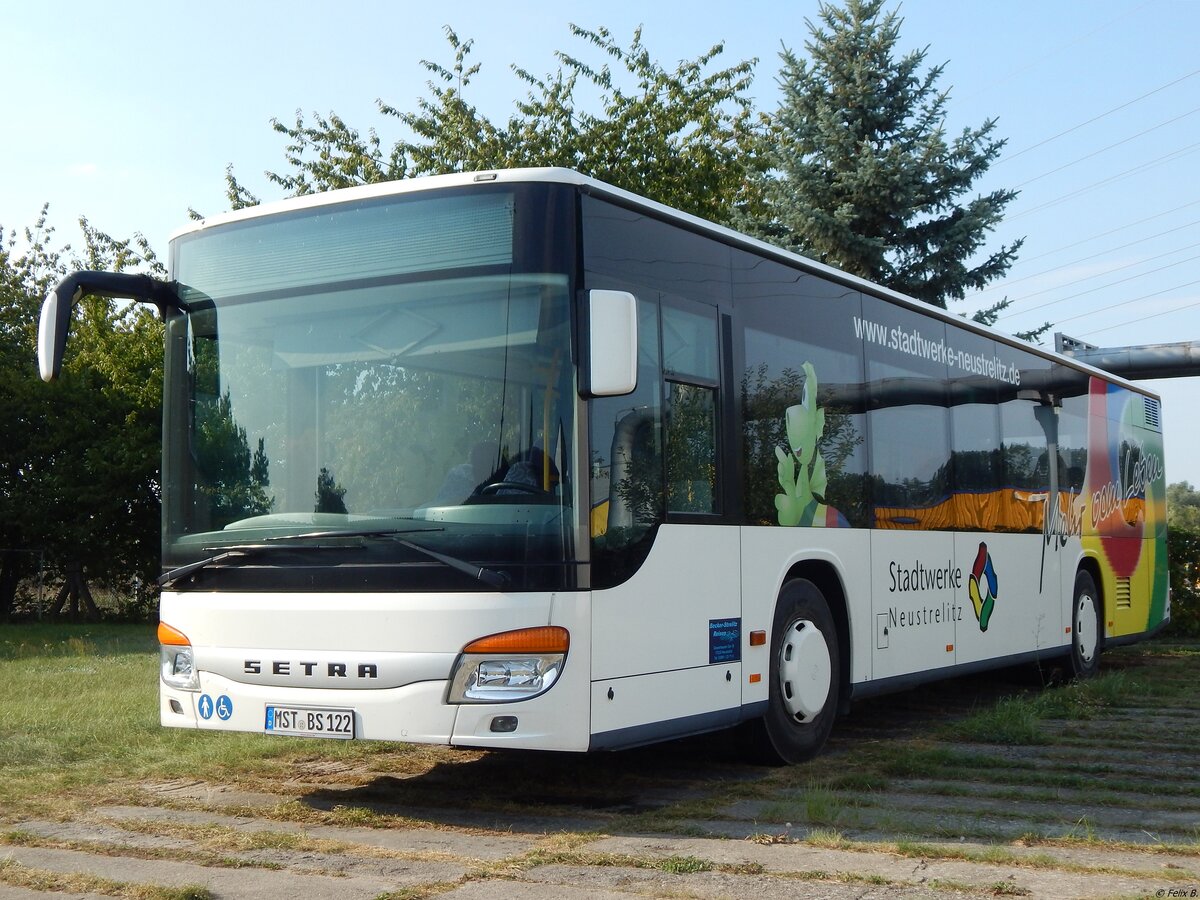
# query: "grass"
{"points": [[14, 874], [1013, 720], [1020, 720], [1008, 889], [818, 804], [79, 716], [55, 640], [1081, 760], [79, 729], [672, 865]]}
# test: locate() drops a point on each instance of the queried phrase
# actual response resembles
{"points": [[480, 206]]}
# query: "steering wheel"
{"points": [[497, 486]]}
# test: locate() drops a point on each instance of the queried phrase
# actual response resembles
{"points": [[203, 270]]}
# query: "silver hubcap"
{"points": [[805, 670], [1086, 627]]}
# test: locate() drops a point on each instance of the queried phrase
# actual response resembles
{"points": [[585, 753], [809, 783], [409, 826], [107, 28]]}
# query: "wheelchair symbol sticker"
{"points": [[223, 707]]}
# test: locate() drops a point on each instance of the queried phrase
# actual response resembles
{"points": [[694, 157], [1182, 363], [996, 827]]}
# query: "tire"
{"points": [[805, 683], [1087, 631]]}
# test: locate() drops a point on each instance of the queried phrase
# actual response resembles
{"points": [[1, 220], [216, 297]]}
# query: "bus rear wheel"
{"points": [[805, 677], [1087, 633]]}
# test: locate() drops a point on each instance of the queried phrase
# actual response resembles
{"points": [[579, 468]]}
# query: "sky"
{"points": [[129, 114]]}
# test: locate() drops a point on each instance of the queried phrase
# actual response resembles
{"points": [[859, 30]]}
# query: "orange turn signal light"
{"points": [[758, 638], [543, 639], [172, 636]]}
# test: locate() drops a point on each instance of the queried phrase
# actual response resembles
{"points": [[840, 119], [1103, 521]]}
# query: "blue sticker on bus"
{"points": [[224, 708], [724, 640], [205, 705]]}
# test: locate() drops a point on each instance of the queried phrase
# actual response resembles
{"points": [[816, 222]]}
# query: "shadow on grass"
{"points": [[569, 786], [679, 778]]}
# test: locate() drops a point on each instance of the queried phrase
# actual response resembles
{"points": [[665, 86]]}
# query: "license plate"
{"points": [[310, 721]]}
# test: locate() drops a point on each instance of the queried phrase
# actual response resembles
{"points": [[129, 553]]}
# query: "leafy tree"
{"points": [[21, 280], [854, 168], [1183, 506], [1183, 557], [857, 171], [678, 135], [79, 468]]}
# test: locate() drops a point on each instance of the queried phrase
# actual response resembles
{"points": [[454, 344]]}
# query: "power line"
{"points": [[1053, 51], [1098, 118], [1099, 287], [1121, 268], [1132, 137], [1173, 155], [1011, 281], [1165, 312], [1096, 237], [1092, 312]]}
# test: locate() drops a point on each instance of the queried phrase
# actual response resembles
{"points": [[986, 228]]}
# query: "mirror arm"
{"points": [[56, 310], [143, 288]]}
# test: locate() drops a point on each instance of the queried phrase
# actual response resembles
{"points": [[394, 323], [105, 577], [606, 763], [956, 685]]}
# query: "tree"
{"points": [[678, 135], [1183, 557], [856, 169], [79, 466], [1183, 506], [330, 496]]}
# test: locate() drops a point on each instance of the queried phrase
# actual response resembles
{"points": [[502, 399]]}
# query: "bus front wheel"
{"points": [[805, 677], [1087, 633]]}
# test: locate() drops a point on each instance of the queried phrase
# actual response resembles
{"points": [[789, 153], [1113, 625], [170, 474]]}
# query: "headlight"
{"points": [[514, 665], [176, 660]]}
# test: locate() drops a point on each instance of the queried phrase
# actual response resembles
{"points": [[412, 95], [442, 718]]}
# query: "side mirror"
{"points": [[613, 343], [52, 333], [56, 310]]}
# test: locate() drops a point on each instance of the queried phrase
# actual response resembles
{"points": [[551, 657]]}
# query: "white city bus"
{"points": [[518, 459]]}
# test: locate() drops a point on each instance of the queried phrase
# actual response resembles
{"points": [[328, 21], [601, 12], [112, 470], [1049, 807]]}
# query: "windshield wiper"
{"points": [[166, 579], [335, 533], [490, 577], [237, 551]]}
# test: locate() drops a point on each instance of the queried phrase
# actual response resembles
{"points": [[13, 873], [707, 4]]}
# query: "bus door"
{"points": [[666, 603]]}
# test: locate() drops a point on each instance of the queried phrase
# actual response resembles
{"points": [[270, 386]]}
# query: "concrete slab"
{"points": [[227, 884], [458, 844], [612, 882], [804, 858]]}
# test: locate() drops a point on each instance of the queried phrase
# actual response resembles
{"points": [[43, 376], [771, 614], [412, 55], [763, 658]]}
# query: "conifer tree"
{"points": [[858, 171]]}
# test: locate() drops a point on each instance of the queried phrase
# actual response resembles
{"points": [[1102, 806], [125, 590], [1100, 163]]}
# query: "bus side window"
{"points": [[691, 370], [691, 449], [627, 447], [1026, 460], [1072, 441]]}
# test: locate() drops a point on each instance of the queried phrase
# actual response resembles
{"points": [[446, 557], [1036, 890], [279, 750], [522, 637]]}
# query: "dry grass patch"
{"points": [[16, 875]]}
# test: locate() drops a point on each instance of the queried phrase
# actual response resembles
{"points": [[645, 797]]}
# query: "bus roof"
{"points": [[598, 188]]}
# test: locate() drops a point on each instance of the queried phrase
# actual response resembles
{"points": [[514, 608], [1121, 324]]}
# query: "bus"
{"points": [[518, 459]]}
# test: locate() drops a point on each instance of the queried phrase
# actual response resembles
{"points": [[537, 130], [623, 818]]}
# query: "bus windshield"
{"points": [[383, 370]]}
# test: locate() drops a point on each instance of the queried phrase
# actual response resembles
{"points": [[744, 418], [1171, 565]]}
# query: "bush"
{"points": [[1183, 554]]}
